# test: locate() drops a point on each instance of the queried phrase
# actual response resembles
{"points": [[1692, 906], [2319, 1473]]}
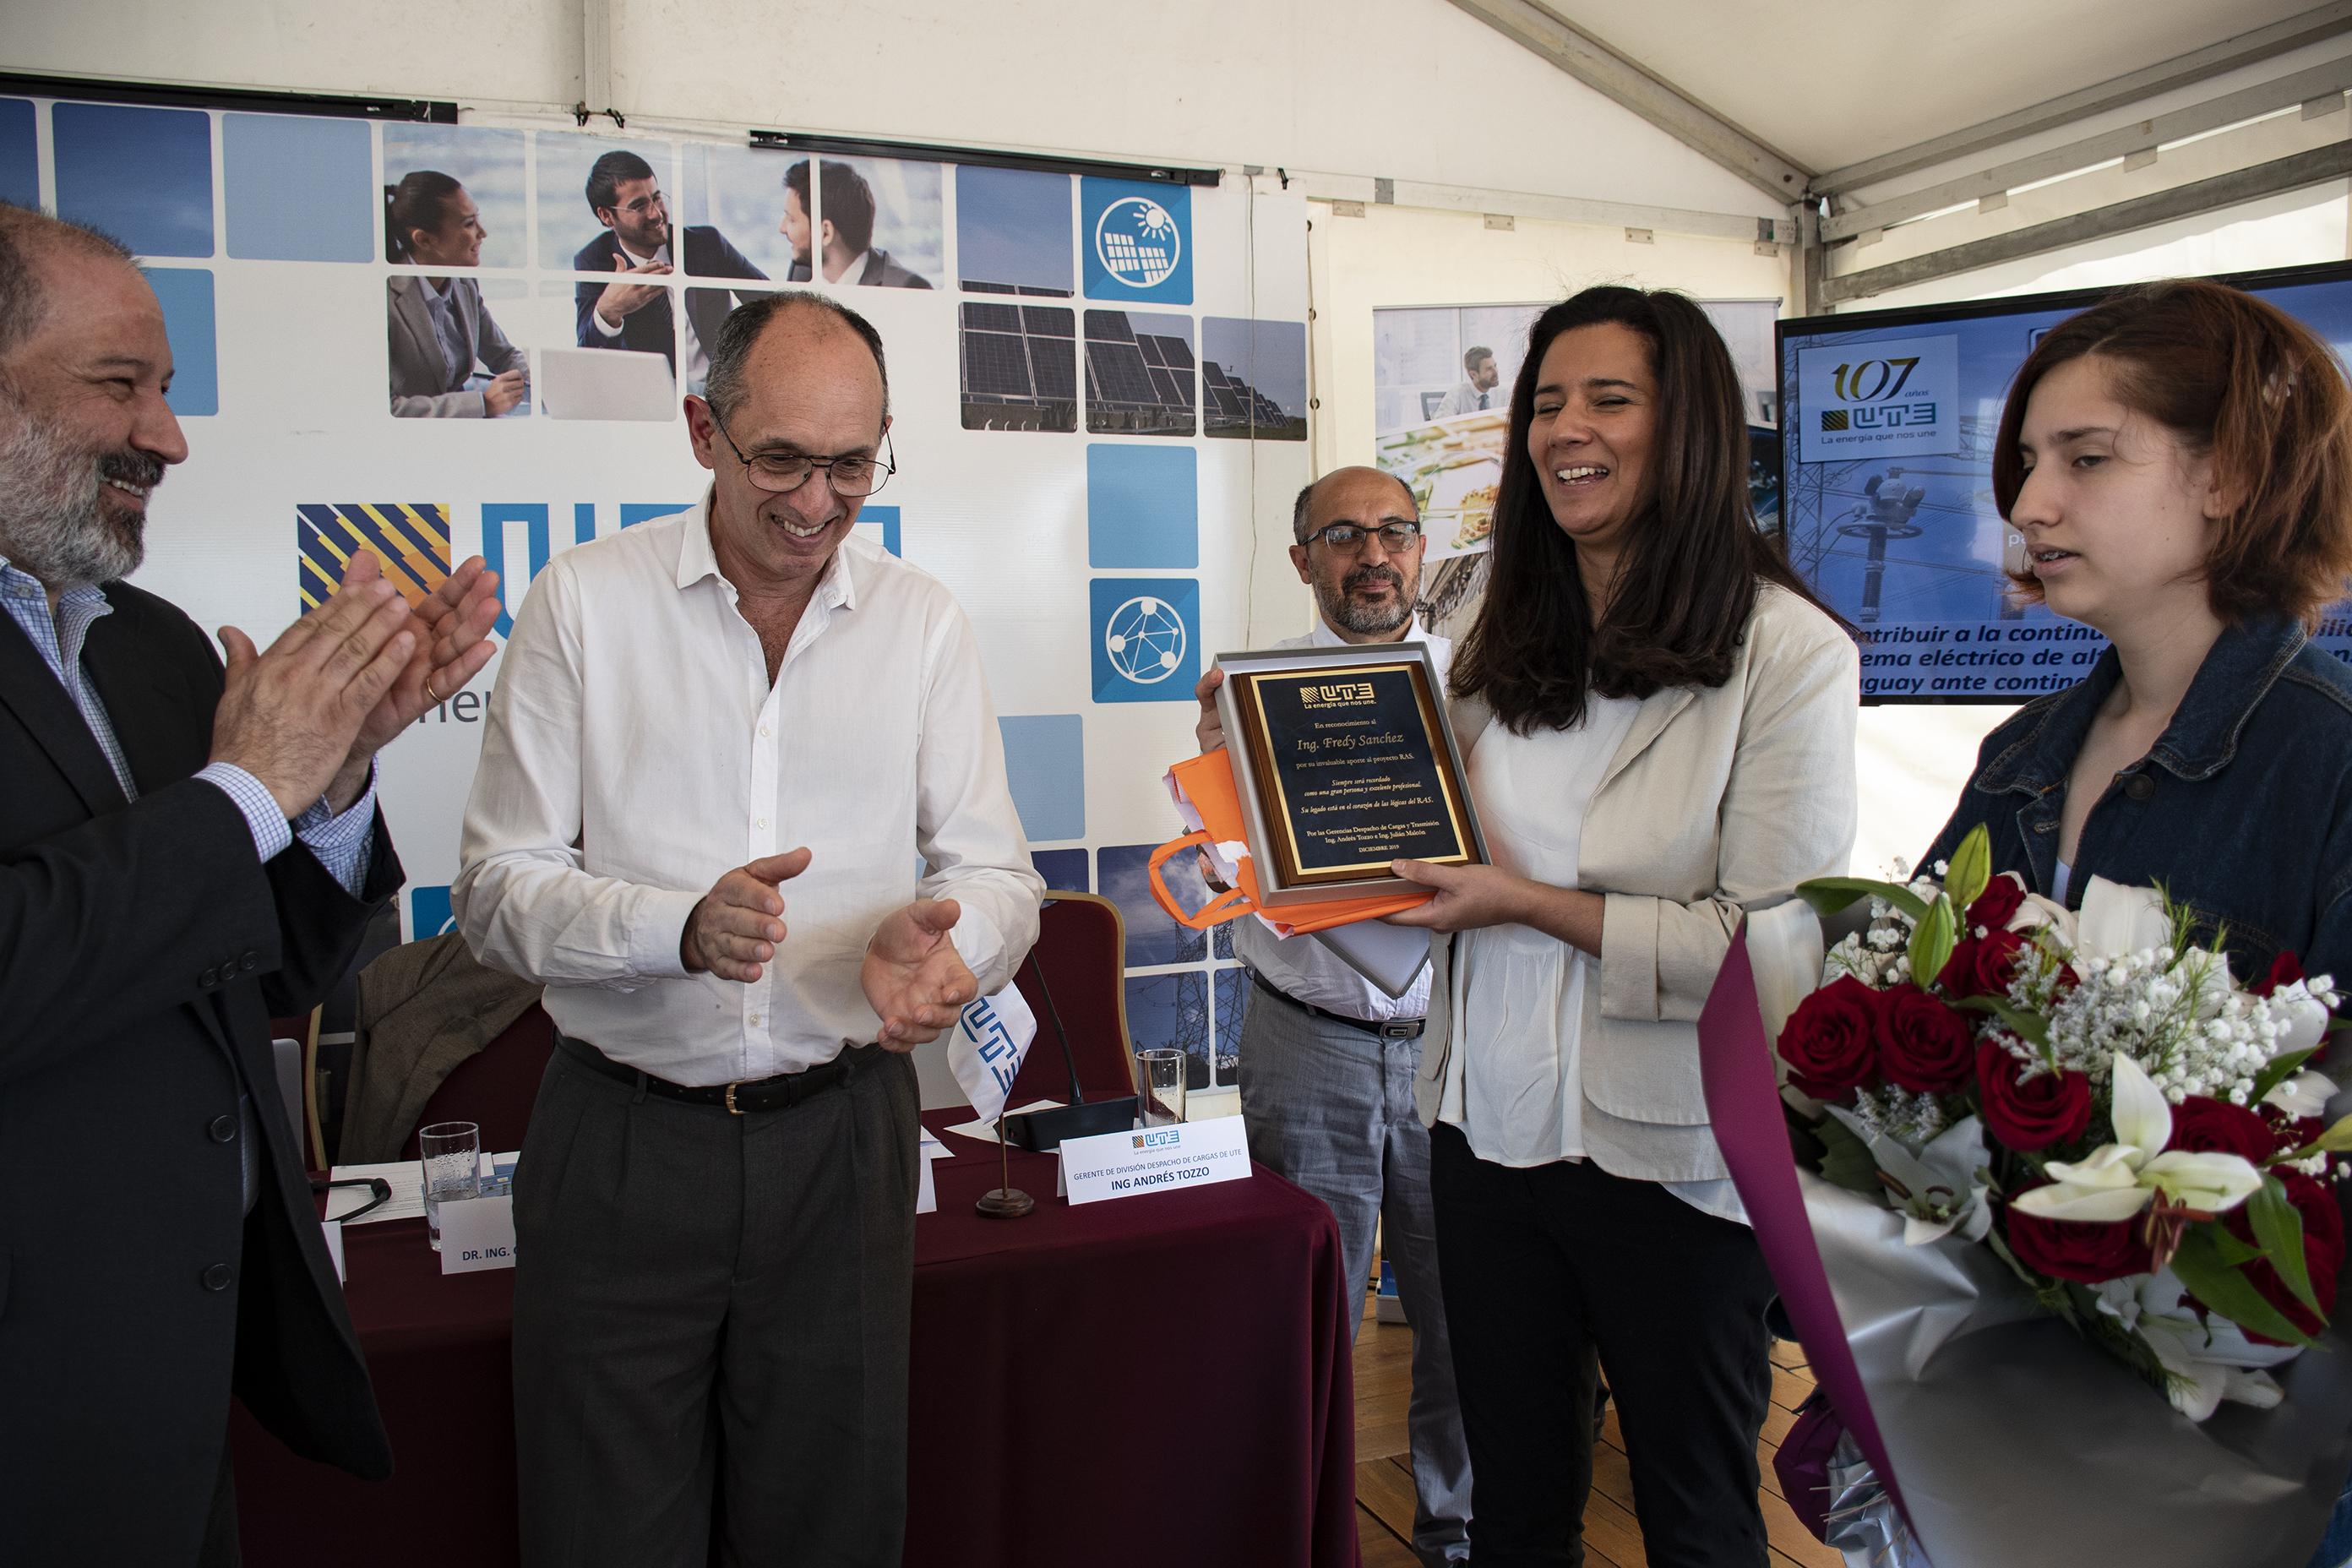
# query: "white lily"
{"points": [[1941, 1179], [2207, 1361], [2116, 919], [2306, 1094], [2119, 1179], [2304, 1017], [2037, 912]]}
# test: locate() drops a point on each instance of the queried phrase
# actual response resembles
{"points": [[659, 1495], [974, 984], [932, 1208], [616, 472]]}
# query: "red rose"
{"points": [[2203, 1126], [1829, 1043], [1981, 966], [1924, 1043], [2285, 970], [2030, 1113], [2089, 1252], [2323, 1254], [2002, 898]]}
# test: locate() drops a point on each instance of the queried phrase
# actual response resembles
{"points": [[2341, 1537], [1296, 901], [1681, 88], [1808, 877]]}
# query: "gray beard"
{"points": [[53, 524], [1346, 614]]}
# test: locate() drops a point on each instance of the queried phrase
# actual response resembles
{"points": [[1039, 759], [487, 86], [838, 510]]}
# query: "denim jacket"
{"points": [[2242, 809]]}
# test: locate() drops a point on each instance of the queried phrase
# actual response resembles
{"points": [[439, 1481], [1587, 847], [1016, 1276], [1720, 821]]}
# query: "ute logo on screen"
{"points": [[1889, 398]]}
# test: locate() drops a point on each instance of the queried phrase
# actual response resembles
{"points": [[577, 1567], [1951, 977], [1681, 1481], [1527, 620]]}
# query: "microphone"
{"points": [[1043, 1131]]}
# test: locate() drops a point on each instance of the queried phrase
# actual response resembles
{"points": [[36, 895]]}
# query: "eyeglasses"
{"points": [[1347, 538], [781, 473]]}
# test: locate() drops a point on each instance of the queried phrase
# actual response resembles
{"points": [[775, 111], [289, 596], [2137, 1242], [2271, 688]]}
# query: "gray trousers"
{"points": [[710, 1325], [1331, 1108]]}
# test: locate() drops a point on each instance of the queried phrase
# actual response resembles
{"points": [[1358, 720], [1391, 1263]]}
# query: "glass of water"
{"points": [[452, 1158], [1159, 1080]]}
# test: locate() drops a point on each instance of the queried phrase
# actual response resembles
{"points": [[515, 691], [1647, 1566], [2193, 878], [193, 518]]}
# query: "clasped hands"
{"points": [[912, 976], [307, 716]]}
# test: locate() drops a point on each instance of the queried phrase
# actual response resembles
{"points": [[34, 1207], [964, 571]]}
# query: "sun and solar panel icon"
{"points": [[411, 540], [1138, 241]]}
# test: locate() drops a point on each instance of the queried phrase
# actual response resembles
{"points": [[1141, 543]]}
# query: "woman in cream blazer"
{"points": [[1658, 723]]}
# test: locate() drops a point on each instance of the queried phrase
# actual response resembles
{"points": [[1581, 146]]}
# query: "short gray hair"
{"points": [[741, 330], [24, 233]]}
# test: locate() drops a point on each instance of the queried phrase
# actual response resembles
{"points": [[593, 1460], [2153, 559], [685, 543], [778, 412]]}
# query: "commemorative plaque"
{"points": [[1344, 760]]}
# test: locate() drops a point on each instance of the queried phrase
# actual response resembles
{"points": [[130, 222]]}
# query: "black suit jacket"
{"points": [[143, 950], [701, 252]]}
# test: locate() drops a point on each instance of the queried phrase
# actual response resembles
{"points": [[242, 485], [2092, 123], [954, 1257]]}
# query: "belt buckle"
{"points": [[1398, 1029], [733, 1108]]}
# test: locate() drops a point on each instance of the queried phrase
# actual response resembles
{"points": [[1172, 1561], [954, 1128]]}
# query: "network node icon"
{"points": [[1146, 638]]}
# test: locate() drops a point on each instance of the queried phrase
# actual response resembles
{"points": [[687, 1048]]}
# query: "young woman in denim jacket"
{"points": [[2179, 462]]}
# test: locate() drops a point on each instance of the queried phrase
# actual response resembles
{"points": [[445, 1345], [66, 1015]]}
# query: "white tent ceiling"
{"points": [[1831, 84]]}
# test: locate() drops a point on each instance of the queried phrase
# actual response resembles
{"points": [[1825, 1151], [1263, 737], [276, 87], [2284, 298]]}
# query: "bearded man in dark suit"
{"points": [[185, 850]]}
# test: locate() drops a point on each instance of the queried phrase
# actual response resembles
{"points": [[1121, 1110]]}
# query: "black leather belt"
{"points": [[1394, 1029], [781, 1092]]}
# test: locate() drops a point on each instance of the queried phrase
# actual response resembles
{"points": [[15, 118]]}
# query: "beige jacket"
{"points": [[1717, 802]]}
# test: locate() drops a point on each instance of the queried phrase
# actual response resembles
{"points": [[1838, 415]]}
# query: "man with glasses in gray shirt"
{"points": [[1326, 1057]]}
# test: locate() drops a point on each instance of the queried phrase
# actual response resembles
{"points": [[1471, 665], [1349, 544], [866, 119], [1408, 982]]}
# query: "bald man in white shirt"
{"points": [[718, 743]]}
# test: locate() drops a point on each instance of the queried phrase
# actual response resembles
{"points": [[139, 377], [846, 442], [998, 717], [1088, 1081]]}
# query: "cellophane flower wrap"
{"points": [[2096, 1099]]}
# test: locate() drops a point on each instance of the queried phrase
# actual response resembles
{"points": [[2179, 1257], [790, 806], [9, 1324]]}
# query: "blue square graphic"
{"points": [[1046, 761], [428, 913], [1065, 870], [1122, 873], [1143, 506], [1013, 231], [879, 523], [297, 188], [1146, 638], [187, 296], [1138, 241], [1172, 1011], [20, 153], [144, 176]]}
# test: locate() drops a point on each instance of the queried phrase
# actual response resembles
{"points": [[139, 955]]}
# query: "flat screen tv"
{"points": [[1887, 420]]}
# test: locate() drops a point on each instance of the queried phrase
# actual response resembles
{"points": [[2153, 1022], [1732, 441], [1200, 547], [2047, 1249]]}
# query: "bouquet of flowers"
{"points": [[2099, 1102]]}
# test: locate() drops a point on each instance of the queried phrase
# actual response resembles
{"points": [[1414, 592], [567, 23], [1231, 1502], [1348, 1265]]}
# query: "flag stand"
{"points": [[1007, 1202]]}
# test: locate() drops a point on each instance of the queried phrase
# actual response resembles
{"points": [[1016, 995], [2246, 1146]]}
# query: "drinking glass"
{"points": [[1161, 1082], [452, 1158]]}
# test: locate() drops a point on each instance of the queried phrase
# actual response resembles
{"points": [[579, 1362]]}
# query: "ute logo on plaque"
{"points": [[1346, 761]]}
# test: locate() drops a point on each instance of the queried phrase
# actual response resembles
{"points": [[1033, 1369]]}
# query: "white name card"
{"points": [[1154, 1160], [478, 1233]]}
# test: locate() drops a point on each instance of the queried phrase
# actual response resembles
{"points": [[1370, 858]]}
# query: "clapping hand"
{"points": [[913, 977]]}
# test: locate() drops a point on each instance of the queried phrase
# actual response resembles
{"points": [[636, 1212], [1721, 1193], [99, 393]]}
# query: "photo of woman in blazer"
{"points": [[440, 329], [1660, 726]]}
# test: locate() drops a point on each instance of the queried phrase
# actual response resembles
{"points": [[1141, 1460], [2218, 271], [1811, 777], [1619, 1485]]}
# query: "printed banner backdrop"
{"points": [[1442, 378], [1102, 559]]}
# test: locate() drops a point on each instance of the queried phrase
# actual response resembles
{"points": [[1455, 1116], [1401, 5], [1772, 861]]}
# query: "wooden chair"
{"points": [[495, 1086], [1078, 971]]}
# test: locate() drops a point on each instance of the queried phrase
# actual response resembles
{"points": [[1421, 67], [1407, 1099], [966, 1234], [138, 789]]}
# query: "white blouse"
{"points": [[1517, 993]]}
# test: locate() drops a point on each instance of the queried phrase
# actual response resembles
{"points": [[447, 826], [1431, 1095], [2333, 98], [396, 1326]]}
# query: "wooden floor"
{"points": [[1612, 1538]]}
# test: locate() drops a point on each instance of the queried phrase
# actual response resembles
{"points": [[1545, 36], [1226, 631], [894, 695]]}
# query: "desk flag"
{"points": [[991, 1037]]}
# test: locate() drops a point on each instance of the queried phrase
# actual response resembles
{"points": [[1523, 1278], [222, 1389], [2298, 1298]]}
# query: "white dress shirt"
{"points": [[635, 752], [1517, 993], [1304, 969]]}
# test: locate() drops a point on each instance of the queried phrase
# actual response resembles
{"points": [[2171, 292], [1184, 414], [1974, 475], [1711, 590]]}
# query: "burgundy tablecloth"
{"points": [[1157, 1379]]}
